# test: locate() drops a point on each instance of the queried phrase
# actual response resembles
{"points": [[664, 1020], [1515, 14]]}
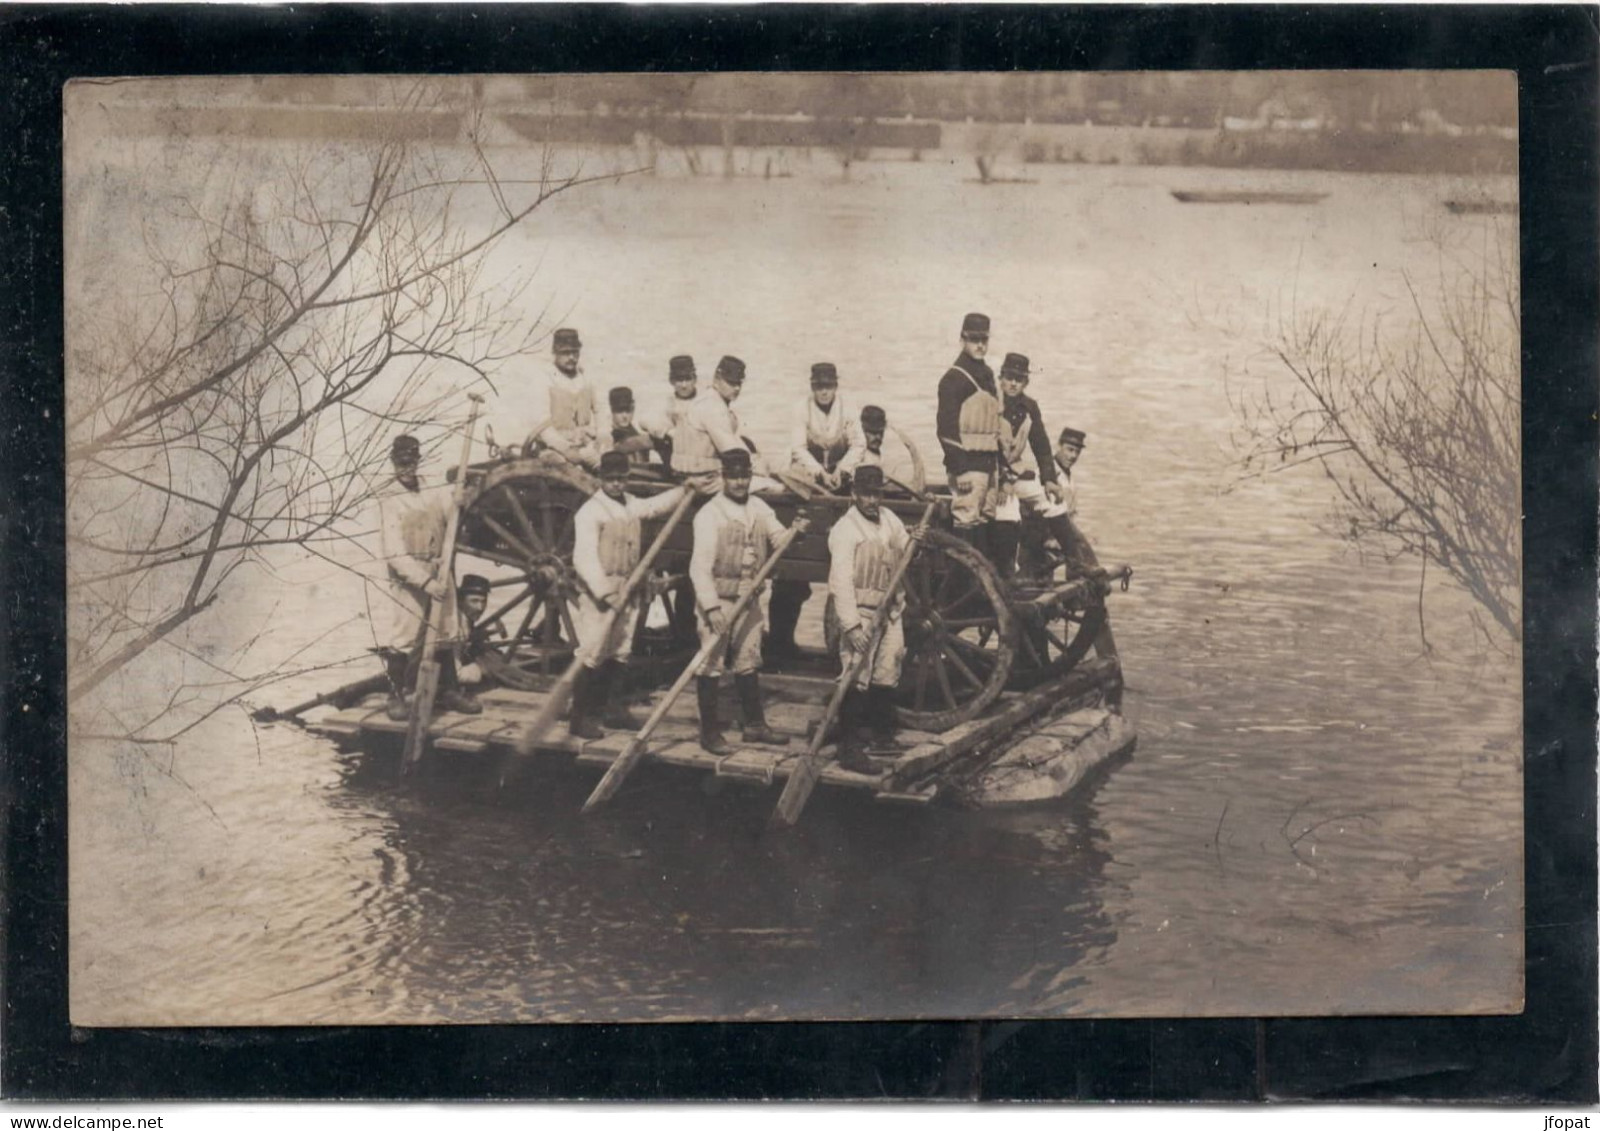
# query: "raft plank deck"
{"points": [[793, 705]]}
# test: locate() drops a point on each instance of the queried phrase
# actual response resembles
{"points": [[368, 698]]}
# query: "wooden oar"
{"points": [[428, 670], [635, 750], [340, 695], [556, 700], [804, 779]]}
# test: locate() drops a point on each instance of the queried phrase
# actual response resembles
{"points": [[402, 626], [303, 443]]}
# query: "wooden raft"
{"points": [[793, 704]]}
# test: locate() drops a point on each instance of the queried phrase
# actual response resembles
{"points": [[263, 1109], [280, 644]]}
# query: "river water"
{"points": [[1321, 816]]}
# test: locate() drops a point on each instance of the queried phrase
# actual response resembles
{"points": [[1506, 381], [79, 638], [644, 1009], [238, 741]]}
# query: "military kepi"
{"points": [[1015, 365], [613, 465], [621, 399], [736, 461], [680, 367], [874, 419], [975, 324], [405, 448], [473, 583], [1071, 436], [868, 477], [731, 369], [824, 375], [567, 339]]}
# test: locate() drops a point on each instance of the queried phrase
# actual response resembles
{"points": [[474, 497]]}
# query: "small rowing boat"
{"points": [[1245, 196]]}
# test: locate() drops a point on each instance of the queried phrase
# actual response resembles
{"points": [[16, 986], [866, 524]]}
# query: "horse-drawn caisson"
{"points": [[1011, 689]]}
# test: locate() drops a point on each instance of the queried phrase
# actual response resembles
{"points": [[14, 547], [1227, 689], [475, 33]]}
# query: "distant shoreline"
{"points": [[1000, 144]]}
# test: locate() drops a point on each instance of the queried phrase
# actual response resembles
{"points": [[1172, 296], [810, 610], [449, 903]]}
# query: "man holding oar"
{"points": [[733, 536], [863, 547], [414, 520], [604, 553]]}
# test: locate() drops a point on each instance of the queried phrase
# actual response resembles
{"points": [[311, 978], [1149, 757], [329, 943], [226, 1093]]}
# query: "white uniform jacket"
{"points": [[711, 429], [565, 406], [411, 533], [606, 548], [861, 556], [836, 432], [731, 541]]}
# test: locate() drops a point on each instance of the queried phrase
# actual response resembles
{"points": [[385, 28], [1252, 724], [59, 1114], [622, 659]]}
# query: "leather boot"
{"points": [[711, 740], [1004, 539], [580, 718], [755, 718], [852, 742], [880, 719], [783, 614], [1074, 550], [397, 707], [612, 697], [451, 697]]}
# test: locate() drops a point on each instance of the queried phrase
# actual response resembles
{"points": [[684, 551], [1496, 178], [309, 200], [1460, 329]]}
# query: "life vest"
{"points": [[826, 438], [694, 453], [1014, 439], [979, 422], [421, 523], [571, 403], [740, 552], [619, 544], [873, 565]]}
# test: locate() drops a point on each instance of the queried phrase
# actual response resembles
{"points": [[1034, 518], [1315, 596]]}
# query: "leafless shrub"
{"points": [[1416, 426], [286, 318]]}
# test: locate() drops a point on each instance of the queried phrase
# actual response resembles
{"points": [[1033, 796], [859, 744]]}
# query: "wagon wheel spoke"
{"points": [[952, 604], [509, 538], [976, 650], [521, 516], [544, 515], [964, 671], [944, 680], [498, 615], [566, 621], [527, 619], [1030, 652], [921, 696]]}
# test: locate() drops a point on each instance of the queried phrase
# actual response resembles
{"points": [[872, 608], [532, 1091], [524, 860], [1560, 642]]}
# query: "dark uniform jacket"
{"points": [[954, 389]]}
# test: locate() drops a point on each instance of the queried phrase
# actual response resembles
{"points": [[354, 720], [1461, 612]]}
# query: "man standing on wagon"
{"points": [[412, 520], [734, 535], [606, 539], [863, 547], [968, 425], [1028, 480]]}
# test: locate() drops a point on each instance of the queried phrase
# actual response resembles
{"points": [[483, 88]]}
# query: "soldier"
{"points": [[685, 389], [824, 435], [606, 540], [1027, 467], [875, 427], [825, 432], [1079, 555], [968, 425], [627, 437], [711, 429], [412, 522], [863, 547], [472, 599], [733, 535], [559, 406]]}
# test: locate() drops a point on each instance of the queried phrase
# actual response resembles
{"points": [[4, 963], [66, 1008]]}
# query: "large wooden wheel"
{"points": [[960, 635], [520, 520]]}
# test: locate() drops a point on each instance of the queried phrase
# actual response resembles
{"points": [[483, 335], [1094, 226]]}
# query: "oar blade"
{"points": [[614, 776]]}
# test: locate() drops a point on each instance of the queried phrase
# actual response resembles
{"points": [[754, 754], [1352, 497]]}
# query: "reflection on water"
{"points": [[1319, 817]]}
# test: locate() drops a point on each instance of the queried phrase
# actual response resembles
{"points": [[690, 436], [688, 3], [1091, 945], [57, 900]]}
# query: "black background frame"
{"points": [[1546, 1055]]}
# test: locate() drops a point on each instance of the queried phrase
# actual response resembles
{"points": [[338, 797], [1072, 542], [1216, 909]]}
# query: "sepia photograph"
{"points": [[793, 546]]}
